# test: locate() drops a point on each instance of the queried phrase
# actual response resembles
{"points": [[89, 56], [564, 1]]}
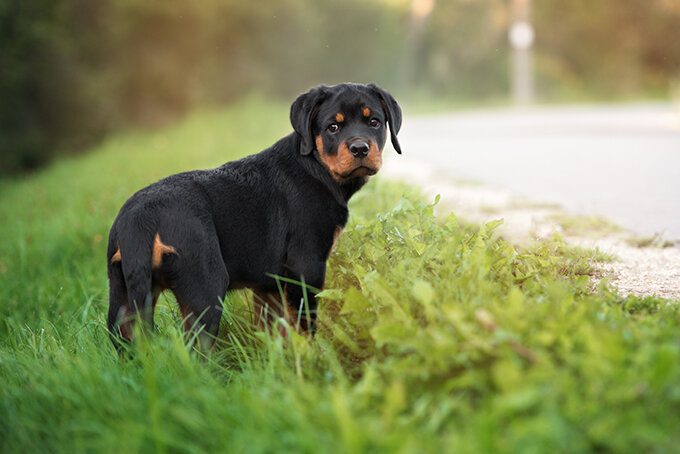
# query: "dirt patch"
{"points": [[643, 271]]}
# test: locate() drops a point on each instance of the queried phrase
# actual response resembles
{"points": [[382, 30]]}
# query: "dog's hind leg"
{"points": [[200, 301], [120, 319], [125, 307], [270, 308], [138, 281], [200, 282]]}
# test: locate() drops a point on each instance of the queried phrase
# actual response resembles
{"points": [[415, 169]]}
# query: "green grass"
{"points": [[433, 337]]}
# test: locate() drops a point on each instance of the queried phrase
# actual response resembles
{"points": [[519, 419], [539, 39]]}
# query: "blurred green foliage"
{"points": [[72, 71]]}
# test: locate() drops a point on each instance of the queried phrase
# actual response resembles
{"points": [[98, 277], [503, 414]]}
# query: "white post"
{"points": [[521, 36]]}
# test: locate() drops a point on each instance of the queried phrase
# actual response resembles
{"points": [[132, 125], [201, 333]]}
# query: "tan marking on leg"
{"points": [[366, 112], [336, 235], [191, 326], [339, 117], [269, 308], [116, 257], [188, 319], [158, 250], [125, 322]]}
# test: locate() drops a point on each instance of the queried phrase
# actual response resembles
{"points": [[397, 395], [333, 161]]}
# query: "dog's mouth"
{"points": [[361, 171]]}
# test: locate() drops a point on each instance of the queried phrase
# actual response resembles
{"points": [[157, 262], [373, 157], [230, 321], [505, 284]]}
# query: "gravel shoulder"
{"points": [[642, 267]]}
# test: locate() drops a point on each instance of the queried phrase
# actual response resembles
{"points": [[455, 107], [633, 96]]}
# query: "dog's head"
{"points": [[345, 126]]}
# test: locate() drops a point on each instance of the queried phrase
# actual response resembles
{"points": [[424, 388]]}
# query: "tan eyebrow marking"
{"points": [[339, 117], [367, 112]]}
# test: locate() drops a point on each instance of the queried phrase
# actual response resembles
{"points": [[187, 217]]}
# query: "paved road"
{"points": [[621, 162]]}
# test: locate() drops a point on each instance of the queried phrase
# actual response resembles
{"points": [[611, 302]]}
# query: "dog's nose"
{"points": [[359, 149]]}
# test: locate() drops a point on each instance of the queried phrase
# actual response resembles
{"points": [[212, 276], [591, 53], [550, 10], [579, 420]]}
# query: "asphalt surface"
{"points": [[621, 162]]}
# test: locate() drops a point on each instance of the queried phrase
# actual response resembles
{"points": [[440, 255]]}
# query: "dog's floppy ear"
{"points": [[302, 112], [392, 112]]}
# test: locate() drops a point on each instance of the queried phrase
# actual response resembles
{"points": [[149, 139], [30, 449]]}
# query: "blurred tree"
{"points": [[32, 39], [465, 52], [606, 48]]}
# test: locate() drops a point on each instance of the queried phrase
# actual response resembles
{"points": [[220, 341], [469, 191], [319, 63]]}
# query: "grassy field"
{"points": [[436, 336]]}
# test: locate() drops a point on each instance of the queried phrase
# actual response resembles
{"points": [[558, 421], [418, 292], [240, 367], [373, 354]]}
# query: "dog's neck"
{"points": [[351, 187]]}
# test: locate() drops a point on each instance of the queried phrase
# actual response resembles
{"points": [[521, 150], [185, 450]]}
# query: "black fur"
{"points": [[274, 213]]}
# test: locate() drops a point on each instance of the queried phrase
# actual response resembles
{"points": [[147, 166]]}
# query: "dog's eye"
{"points": [[374, 123], [333, 128]]}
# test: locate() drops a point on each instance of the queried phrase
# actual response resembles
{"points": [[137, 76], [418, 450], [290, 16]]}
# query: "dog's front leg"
{"points": [[309, 277]]}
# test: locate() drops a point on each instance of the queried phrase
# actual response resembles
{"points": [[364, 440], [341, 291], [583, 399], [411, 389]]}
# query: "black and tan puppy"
{"points": [[275, 213]]}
